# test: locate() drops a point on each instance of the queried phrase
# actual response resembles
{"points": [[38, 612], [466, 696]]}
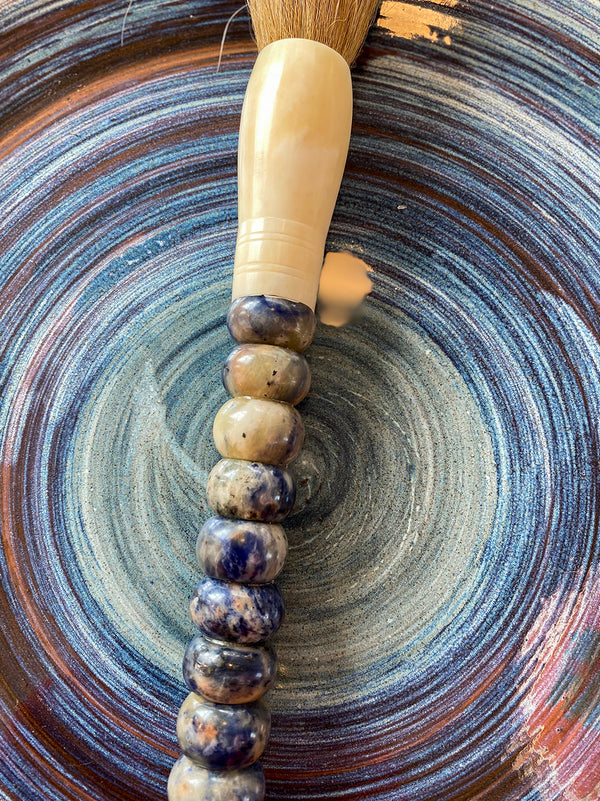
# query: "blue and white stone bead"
{"points": [[272, 321], [189, 781], [250, 491], [221, 736], [241, 550], [225, 673], [243, 613]]}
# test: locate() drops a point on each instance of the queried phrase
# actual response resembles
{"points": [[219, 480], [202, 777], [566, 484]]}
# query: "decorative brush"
{"points": [[294, 135]]}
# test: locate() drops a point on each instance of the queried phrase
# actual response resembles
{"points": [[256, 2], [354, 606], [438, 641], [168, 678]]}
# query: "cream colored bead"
{"points": [[264, 371], [258, 431]]}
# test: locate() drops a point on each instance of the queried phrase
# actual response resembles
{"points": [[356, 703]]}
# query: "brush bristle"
{"points": [[340, 24]]}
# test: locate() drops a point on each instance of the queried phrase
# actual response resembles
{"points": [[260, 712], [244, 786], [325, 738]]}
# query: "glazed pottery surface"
{"points": [[442, 584]]}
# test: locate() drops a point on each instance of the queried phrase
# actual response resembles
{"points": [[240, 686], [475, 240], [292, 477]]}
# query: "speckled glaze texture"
{"points": [[228, 674], [243, 613], [443, 577], [250, 491], [266, 371], [241, 550], [220, 736], [263, 319], [191, 782], [258, 431]]}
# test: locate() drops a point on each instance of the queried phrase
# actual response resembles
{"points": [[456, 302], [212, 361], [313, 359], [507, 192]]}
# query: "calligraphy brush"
{"points": [[294, 135]]}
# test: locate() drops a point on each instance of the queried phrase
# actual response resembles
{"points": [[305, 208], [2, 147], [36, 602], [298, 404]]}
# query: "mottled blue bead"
{"points": [[225, 673], [189, 781], [222, 737], [241, 550], [239, 612], [250, 490], [271, 321]]}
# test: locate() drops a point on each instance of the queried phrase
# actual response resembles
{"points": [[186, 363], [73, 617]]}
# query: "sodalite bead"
{"points": [[266, 371], [271, 321], [240, 550], [228, 674], [191, 782], [250, 491], [222, 737], [243, 613], [258, 430]]}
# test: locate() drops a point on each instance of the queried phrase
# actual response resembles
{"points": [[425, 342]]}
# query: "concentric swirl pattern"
{"points": [[442, 641]]}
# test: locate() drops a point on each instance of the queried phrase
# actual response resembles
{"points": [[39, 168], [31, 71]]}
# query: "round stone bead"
{"points": [[241, 550], [243, 613], [268, 372], [191, 782], [228, 674], [250, 491], [222, 737], [268, 320], [258, 430]]}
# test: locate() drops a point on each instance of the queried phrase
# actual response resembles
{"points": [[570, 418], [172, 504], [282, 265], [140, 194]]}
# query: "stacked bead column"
{"points": [[223, 724]]}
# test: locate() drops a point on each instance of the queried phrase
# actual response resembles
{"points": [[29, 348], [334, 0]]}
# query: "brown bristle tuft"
{"points": [[340, 24]]}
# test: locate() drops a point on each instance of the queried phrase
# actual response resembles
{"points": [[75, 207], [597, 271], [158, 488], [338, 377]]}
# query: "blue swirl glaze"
{"points": [[222, 737], [228, 674], [241, 550], [238, 612], [443, 582]]}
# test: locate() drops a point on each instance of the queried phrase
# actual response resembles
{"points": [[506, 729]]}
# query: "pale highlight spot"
{"points": [[410, 21], [343, 286]]}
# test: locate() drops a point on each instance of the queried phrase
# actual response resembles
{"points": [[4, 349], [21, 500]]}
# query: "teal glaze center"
{"points": [[397, 496]]}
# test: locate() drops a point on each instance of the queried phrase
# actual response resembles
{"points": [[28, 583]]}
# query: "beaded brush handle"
{"points": [[294, 136]]}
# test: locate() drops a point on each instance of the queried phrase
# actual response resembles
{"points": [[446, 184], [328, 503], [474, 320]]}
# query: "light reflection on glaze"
{"points": [[562, 701]]}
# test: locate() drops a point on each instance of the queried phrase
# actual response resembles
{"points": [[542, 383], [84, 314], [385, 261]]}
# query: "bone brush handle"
{"points": [[294, 136]]}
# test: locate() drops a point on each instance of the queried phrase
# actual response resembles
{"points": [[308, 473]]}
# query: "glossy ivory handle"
{"points": [[294, 135]]}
